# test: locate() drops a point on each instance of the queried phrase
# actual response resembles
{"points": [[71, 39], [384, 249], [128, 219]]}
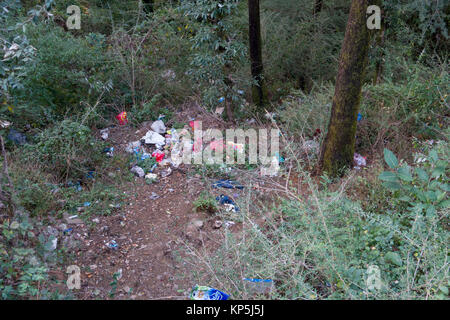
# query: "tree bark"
{"points": [[318, 6], [148, 5], [259, 92], [339, 144]]}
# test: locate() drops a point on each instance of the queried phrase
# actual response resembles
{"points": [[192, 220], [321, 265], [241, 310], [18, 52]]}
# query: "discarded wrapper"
{"points": [[122, 118], [261, 286], [207, 293]]}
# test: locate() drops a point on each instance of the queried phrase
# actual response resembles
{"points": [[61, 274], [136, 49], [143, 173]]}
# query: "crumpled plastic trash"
{"points": [[130, 148], [151, 176], [272, 170], [112, 245], [109, 152], [228, 203], [158, 155], [152, 137], [228, 184], [138, 171], [207, 293], [159, 127], [154, 196], [359, 161], [122, 118], [260, 286], [359, 117], [104, 133]]}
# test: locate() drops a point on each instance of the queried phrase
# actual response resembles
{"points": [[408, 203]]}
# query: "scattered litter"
{"points": [[109, 152], [122, 118], [229, 224], [359, 117], [260, 286], [130, 148], [87, 204], [90, 175], [272, 170], [67, 231], [154, 196], [166, 173], [159, 127], [158, 155], [221, 99], [151, 176], [207, 293], [280, 158], [359, 161], [54, 244], [138, 171], [104, 133], [72, 219], [96, 220], [4, 124], [119, 274], [219, 110], [112, 245], [230, 205], [228, 184], [152, 137], [217, 224]]}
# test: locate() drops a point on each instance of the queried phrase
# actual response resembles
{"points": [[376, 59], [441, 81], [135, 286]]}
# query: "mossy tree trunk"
{"points": [[339, 144], [259, 91]]}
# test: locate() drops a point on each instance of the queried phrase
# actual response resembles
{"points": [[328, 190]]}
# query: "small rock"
{"points": [[197, 223]]}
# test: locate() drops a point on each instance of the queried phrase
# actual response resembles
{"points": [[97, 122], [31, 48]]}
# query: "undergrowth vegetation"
{"points": [[59, 86]]}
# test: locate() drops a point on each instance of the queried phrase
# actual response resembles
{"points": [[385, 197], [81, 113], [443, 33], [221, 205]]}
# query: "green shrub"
{"points": [[68, 150]]}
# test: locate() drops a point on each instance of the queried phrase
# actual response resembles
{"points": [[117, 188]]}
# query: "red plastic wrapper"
{"points": [[158, 155], [122, 118]]}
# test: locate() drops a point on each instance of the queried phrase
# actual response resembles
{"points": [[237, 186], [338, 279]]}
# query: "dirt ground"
{"points": [[155, 236]]}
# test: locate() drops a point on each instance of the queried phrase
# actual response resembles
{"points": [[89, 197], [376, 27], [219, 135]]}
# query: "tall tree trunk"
{"points": [[259, 92], [339, 144], [318, 6]]}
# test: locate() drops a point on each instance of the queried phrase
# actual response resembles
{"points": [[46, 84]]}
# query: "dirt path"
{"points": [[155, 235]]}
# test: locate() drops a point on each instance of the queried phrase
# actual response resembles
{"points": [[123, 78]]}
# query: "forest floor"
{"points": [[158, 239]]}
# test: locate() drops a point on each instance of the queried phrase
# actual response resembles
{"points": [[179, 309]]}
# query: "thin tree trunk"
{"points": [[148, 5], [318, 6], [339, 144], [259, 92]]}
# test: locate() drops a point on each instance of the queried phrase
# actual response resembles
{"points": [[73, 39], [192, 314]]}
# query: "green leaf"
{"points": [[393, 258], [392, 185], [390, 158], [404, 173], [422, 174], [388, 176], [438, 171]]}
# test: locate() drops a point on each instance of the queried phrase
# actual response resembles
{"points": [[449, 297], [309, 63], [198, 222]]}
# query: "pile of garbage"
{"points": [[158, 152]]}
